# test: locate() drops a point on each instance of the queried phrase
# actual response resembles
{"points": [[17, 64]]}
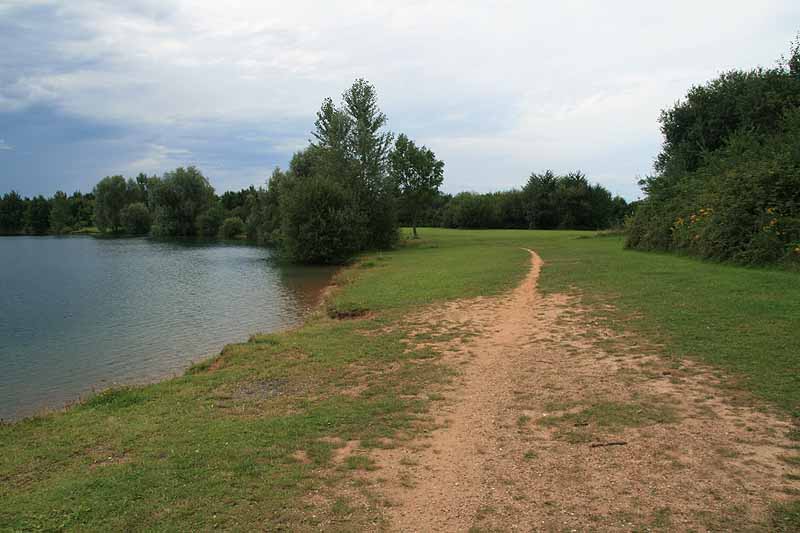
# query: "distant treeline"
{"points": [[727, 181], [40, 215], [348, 191], [339, 196], [546, 201]]}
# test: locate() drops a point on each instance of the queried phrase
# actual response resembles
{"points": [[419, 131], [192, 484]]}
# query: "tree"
{"points": [[321, 224], [82, 209], [793, 61], [37, 215], [263, 223], [61, 220], [209, 222], [369, 145], [12, 213], [727, 181], [540, 192], [135, 218], [111, 195], [418, 175], [232, 227], [179, 199]]}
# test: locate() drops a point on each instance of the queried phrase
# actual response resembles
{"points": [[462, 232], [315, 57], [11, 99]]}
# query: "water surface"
{"points": [[79, 313]]}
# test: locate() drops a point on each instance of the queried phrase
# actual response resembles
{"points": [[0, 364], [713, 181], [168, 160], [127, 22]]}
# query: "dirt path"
{"points": [[557, 425]]}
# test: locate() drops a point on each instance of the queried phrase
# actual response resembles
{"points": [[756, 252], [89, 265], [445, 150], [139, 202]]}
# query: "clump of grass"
{"points": [[791, 459], [360, 462], [662, 518], [345, 312], [340, 508], [116, 398], [785, 517], [530, 455]]}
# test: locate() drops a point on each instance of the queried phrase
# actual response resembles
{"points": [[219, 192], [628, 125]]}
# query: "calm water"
{"points": [[79, 313]]}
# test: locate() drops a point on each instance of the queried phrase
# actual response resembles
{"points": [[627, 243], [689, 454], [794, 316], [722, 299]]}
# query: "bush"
{"points": [[135, 218], [232, 227], [742, 205], [728, 182], [180, 198], [321, 222], [210, 222]]}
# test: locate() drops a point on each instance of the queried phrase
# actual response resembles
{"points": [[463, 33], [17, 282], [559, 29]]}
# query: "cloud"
{"points": [[155, 158], [498, 90], [5, 147]]}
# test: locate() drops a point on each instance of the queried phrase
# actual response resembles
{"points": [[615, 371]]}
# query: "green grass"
{"points": [[215, 448]]}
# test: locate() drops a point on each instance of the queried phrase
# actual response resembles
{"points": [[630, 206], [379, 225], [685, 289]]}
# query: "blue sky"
{"points": [[497, 90]]}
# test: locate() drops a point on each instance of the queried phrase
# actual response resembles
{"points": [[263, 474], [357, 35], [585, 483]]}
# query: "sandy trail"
{"points": [[540, 387]]}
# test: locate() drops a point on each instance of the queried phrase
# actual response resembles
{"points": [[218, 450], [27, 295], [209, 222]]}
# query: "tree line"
{"points": [[340, 195], [349, 190], [546, 201], [727, 181], [39, 215]]}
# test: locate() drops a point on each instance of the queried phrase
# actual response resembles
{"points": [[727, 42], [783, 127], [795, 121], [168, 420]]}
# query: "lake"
{"points": [[79, 314]]}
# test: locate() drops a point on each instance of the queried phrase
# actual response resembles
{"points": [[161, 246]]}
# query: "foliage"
{"points": [[263, 219], [728, 180], [232, 227], [210, 221], [111, 195], [343, 175], [82, 210], [473, 210], [37, 215], [178, 200], [418, 175], [321, 222], [546, 202], [12, 213], [135, 218], [61, 219], [369, 146]]}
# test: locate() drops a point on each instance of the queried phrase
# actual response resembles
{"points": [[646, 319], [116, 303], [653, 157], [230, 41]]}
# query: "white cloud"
{"points": [[156, 158], [5, 147], [495, 88]]}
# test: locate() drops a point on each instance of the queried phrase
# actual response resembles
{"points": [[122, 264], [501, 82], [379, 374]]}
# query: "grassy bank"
{"points": [[221, 446]]}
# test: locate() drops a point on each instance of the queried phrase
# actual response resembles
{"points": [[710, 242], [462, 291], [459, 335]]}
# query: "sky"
{"points": [[496, 89]]}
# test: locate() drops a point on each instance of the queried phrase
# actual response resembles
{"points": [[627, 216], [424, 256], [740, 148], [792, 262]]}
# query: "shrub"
{"points": [[728, 181], [321, 222], [180, 198], [135, 218], [232, 227], [210, 222]]}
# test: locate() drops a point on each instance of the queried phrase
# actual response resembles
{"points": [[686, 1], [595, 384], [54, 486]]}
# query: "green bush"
{"points": [[738, 198], [210, 222], [135, 218], [232, 227], [321, 222], [179, 199]]}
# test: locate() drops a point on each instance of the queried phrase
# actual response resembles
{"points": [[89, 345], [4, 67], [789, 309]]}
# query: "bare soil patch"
{"points": [[555, 424]]}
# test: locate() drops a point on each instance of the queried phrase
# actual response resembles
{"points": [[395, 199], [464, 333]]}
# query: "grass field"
{"points": [[218, 447]]}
